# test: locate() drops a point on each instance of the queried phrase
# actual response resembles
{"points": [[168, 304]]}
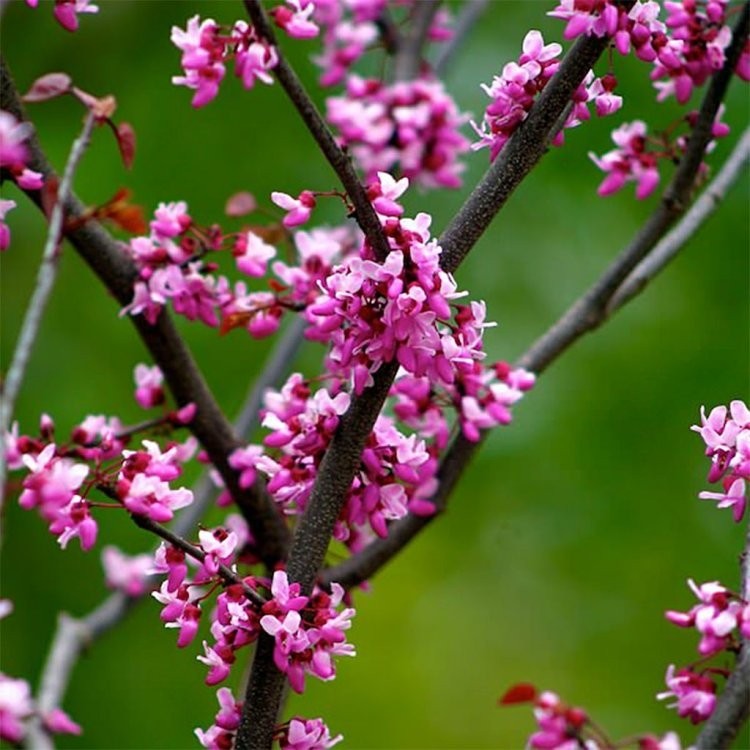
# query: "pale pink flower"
{"points": [[126, 573]]}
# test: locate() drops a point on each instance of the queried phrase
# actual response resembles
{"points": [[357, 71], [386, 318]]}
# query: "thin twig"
{"points": [[364, 213], [363, 565], [675, 240], [117, 271], [45, 281], [197, 554], [470, 13], [409, 56]]}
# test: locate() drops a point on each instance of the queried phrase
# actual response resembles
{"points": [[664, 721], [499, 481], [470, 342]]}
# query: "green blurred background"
{"points": [[574, 528]]}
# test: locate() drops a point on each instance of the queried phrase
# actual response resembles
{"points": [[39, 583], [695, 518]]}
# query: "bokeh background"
{"points": [[574, 529]]}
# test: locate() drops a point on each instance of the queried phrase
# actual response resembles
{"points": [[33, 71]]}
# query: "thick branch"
{"points": [[106, 258], [342, 166], [519, 155]]}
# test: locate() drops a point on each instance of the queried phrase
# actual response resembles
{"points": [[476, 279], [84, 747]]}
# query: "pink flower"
{"points": [[244, 460], [220, 735], [735, 498], [298, 209], [202, 55], [296, 21], [252, 254], [66, 12], [630, 162], [695, 694], [148, 391], [58, 722], [170, 220], [307, 734], [180, 610], [13, 135], [5, 206], [16, 706], [150, 496], [124, 572]]}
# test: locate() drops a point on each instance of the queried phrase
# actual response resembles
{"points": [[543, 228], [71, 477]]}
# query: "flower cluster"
{"points": [[515, 90], [351, 28], [17, 705], [409, 126], [61, 475], [637, 158], [308, 631], [66, 11], [206, 47], [564, 727], [720, 618], [726, 433], [296, 734]]}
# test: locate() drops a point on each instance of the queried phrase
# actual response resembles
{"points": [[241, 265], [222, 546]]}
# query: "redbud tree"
{"points": [[250, 412]]}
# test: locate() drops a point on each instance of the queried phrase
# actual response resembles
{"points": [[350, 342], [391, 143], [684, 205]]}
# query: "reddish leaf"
{"points": [[127, 216], [240, 204], [522, 692], [48, 87], [234, 320], [126, 142]]}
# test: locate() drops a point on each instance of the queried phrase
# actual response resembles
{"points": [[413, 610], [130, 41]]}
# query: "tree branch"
{"points": [[45, 281], [470, 13], [342, 166], [590, 310], [519, 155], [106, 258], [409, 56], [360, 567], [675, 240]]}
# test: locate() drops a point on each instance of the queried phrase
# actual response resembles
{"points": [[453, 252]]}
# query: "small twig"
{"points": [[733, 705], [409, 56], [470, 13], [45, 281], [364, 213], [674, 241], [197, 554]]}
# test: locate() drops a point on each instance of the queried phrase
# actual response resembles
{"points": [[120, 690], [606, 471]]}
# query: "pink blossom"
{"points": [[13, 135], [298, 209], [220, 735], [202, 56], [594, 18], [630, 161], [148, 391], [695, 694], [307, 734], [252, 254], [296, 21], [169, 560], [409, 126], [28, 179], [5, 206], [74, 520], [244, 460], [124, 572], [170, 220], [16, 706], [58, 722], [219, 546], [181, 610], [66, 12], [151, 497]]}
